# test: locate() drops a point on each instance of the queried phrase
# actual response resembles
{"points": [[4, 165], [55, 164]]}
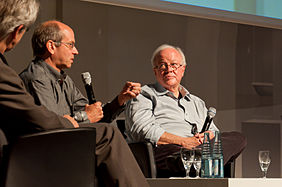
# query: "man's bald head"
{"points": [[49, 30]]}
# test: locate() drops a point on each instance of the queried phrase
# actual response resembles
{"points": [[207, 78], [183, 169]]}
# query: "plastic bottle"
{"points": [[206, 166], [217, 156]]}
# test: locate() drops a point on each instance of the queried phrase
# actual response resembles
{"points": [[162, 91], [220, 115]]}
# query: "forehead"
{"points": [[169, 54], [68, 34]]}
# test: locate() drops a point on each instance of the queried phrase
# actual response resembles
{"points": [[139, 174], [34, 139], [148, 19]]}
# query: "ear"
{"points": [[183, 71], [14, 37], [17, 31], [50, 46], [155, 71]]}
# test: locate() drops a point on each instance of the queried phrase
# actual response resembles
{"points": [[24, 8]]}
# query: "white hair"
{"points": [[14, 13], [165, 46]]}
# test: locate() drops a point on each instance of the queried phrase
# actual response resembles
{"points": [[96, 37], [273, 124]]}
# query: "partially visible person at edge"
{"points": [[53, 44], [170, 117], [20, 115]]}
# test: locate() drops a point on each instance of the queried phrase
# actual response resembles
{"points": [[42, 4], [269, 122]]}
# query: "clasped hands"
{"points": [[196, 140]]}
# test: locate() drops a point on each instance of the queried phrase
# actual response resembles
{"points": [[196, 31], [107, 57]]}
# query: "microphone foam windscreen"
{"points": [[211, 112], [86, 78]]}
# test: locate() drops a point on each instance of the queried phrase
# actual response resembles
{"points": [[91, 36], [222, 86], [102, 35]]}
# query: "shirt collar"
{"points": [[160, 90], [3, 59], [59, 76]]}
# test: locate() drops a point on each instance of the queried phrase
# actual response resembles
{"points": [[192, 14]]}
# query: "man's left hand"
{"points": [[130, 90], [200, 136]]}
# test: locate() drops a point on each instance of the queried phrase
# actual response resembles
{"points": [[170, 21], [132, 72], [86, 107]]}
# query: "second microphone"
{"points": [[86, 78]]}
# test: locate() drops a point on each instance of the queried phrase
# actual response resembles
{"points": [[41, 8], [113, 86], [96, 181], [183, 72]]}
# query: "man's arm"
{"points": [[113, 109], [187, 142], [142, 125], [43, 94], [18, 104]]}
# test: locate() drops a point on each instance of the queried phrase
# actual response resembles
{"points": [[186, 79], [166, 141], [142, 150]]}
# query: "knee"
{"points": [[235, 138], [241, 139]]}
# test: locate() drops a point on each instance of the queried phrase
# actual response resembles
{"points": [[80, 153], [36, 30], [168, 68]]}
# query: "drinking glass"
{"points": [[187, 157], [197, 161], [264, 161]]}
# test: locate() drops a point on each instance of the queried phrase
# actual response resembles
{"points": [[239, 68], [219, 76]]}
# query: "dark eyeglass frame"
{"points": [[164, 66], [69, 45]]}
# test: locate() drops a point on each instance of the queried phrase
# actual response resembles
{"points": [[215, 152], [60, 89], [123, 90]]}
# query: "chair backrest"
{"points": [[53, 158], [143, 153]]}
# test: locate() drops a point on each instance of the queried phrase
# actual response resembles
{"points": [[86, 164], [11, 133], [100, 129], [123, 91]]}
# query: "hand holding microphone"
{"points": [[210, 115], [94, 110], [86, 78]]}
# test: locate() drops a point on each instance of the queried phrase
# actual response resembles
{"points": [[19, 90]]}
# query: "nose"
{"points": [[75, 51], [169, 68]]}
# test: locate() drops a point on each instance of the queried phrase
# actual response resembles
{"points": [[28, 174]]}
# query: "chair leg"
{"points": [[229, 169]]}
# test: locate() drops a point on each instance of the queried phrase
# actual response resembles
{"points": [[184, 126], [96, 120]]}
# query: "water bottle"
{"points": [[217, 156], [206, 166]]}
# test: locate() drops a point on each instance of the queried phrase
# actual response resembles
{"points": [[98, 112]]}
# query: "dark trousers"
{"points": [[116, 165], [168, 160]]}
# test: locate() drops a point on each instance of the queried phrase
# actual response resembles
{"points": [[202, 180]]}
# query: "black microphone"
{"points": [[210, 115], [86, 78]]}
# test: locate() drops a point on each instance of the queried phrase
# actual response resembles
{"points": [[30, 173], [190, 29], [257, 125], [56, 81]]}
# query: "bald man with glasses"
{"points": [[54, 49]]}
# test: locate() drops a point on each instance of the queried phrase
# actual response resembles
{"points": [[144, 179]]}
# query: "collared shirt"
{"points": [[52, 89], [18, 112], [58, 93], [156, 110]]}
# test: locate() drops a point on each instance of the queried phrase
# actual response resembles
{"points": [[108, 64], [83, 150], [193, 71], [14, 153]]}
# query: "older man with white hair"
{"points": [[169, 117]]}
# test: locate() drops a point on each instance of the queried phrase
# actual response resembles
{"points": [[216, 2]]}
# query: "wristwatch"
{"points": [[80, 116]]}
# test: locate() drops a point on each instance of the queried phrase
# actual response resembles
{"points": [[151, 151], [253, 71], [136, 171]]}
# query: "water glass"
{"points": [[197, 161], [187, 157], [264, 161]]}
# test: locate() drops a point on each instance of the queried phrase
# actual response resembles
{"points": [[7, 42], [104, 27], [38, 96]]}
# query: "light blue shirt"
{"points": [[156, 110]]}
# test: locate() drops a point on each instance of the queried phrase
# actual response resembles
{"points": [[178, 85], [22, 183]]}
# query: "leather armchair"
{"points": [[56, 158]]}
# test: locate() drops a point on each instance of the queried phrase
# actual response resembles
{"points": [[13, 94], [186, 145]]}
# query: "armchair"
{"points": [[143, 153], [64, 157]]}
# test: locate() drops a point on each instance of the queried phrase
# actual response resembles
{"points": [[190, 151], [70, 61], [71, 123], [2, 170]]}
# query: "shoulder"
{"points": [[197, 100], [6, 72], [148, 91], [148, 88], [34, 71]]}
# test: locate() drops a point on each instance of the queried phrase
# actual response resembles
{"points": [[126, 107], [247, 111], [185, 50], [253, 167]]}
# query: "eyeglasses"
{"points": [[69, 45], [164, 66]]}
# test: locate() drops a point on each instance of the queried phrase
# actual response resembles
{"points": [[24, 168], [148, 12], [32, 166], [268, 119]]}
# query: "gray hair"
{"points": [[42, 34], [14, 13], [165, 46]]}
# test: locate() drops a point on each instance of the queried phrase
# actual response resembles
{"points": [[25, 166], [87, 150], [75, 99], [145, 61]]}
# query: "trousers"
{"points": [[116, 165]]}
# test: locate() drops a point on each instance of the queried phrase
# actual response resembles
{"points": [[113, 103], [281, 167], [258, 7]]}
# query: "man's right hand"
{"points": [[190, 142], [94, 112], [74, 123], [187, 142]]}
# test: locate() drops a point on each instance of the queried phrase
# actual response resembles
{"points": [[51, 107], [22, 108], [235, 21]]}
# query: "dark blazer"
{"points": [[19, 114]]}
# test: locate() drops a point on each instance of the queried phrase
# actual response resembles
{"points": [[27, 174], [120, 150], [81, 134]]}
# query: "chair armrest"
{"points": [[144, 155], [62, 157]]}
